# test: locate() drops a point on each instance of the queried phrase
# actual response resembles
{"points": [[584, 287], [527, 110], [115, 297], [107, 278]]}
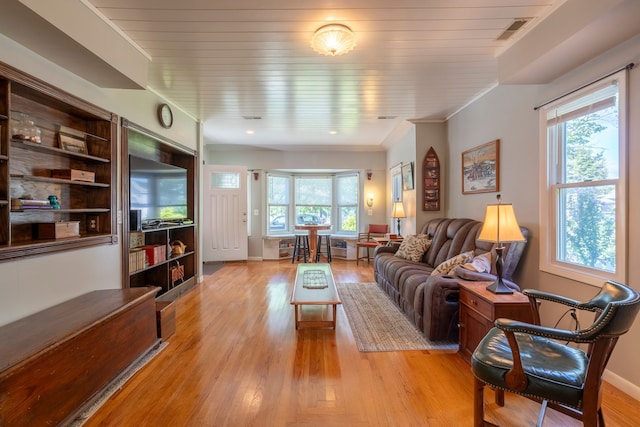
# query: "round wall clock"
{"points": [[165, 116]]}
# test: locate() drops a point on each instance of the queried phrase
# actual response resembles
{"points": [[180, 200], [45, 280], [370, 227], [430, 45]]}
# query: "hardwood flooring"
{"points": [[237, 360]]}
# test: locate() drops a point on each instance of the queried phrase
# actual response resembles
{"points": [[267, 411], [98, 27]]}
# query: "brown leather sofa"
{"points": [[431, 302]]}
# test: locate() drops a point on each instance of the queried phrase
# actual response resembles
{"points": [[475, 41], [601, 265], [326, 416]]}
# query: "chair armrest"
{"points": [[534, 293], [514, 326], [380, 249], [475, 276]]}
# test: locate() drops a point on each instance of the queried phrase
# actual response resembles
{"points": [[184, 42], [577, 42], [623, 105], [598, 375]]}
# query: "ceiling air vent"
{"points": [[386, 117], [252, 117], [515, 26]]}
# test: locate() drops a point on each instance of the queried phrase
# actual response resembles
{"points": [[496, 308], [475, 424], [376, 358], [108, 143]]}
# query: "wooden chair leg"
{"points": [[478, 403]]}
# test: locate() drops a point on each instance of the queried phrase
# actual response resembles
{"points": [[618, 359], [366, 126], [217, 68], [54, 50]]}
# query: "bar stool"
{"points": [[327, 240], [301, 245]]}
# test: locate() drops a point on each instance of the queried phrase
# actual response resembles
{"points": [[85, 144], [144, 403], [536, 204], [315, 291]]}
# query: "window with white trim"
{"points": [[396, 184], [583, 194], [347, 203]]}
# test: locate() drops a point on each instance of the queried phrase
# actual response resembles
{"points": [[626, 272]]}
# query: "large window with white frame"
{"points": [[312, 199], [583, 192], [396, 184]]}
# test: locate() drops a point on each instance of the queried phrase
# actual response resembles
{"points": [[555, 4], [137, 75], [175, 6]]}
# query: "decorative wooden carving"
{"points": [[431, 177]]}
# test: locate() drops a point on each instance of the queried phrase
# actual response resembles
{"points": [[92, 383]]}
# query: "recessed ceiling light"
{"points": [[250, 132], [332, 132]]}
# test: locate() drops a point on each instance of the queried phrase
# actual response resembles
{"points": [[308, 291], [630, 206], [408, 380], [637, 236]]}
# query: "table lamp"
{"points": [[499, 226], [397, 213]]}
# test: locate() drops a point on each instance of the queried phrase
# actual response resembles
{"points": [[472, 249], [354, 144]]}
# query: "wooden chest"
{"points": [[58, 230], [74, 175]]}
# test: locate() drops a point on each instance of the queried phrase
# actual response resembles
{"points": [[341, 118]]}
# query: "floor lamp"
{"points": [[500, 226], [397, 213]]}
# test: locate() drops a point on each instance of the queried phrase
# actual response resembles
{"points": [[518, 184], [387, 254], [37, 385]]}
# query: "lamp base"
{"points": [[498, 287]]}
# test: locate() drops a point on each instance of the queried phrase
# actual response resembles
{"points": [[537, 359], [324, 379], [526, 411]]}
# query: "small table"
{"points": [[479, 308], [386, 241], [314, 285], [313, 235]]}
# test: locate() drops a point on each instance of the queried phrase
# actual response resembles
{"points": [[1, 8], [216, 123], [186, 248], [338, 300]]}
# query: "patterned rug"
{"points": [[378, 325]]}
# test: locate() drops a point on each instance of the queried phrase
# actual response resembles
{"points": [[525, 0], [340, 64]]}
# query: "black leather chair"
{"points": [[537, 362]]}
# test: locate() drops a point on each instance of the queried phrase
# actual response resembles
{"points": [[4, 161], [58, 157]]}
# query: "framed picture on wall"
{"points": [[481, 168], [407, 176]]}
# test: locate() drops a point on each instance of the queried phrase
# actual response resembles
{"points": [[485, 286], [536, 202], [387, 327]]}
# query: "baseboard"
{"points": [[622, 384]]}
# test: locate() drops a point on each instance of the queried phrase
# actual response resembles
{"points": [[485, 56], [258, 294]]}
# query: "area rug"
{"points": [[378, 325], [94, 404]]}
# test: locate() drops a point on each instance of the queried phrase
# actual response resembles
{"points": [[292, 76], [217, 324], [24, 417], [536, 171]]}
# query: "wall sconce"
{"points": [[369, 174], [370, 200], [256, 175]]}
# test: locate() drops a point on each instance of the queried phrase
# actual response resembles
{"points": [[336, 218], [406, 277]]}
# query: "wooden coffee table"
{"points": [[314, 285]]}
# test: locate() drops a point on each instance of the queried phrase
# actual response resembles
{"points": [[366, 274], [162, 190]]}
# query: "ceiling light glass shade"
{"points": [[333, 40]]}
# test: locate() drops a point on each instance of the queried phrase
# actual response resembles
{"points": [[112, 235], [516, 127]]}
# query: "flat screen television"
{"points": [[158, 190]]}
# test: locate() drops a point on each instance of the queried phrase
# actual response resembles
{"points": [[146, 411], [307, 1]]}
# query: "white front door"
{"points": [[225, 213]]}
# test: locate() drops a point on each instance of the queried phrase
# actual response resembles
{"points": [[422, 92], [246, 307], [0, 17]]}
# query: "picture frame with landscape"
{"points": [[481, 168], [73, 145], [407, 176]]}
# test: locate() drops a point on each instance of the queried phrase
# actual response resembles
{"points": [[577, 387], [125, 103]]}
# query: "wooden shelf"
{"points": [[59, 180], [25, 165], [143, 143], [58, 151]]}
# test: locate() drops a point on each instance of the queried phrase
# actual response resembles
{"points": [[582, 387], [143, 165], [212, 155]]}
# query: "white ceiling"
{"points": [[222, 61], [246, 65]]}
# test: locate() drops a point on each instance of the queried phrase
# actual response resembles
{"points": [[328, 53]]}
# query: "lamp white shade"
{"points": [[500, 225], [398, 210]]}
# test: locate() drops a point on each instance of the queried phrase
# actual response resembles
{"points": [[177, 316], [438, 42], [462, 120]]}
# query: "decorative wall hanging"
{"points": [[431, 177], [481, 168]]}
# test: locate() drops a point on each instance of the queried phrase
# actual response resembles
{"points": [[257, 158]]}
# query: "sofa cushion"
{"points": [[480, 263], [449, 265], [413, 247]]}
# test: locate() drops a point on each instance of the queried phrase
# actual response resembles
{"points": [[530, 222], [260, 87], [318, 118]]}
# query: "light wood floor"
{"points": [[237, 360]]}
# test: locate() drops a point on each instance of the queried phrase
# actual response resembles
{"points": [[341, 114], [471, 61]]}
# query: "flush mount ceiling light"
{"points": [[333, 40]]}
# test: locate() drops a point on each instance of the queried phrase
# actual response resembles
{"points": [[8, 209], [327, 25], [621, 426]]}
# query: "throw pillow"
{"points": [[449, 265], [480, 263], [413, 248]]}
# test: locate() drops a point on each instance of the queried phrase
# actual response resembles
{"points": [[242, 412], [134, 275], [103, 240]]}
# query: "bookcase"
{"points": [[57, 169], [343, 247], [174, 271], [277, 247]]}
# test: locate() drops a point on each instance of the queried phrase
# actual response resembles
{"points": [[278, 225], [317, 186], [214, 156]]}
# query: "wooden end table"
{"points": [[479, 308]]}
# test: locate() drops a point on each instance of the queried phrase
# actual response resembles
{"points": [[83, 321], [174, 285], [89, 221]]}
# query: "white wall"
{"points": [[402, 149], [506, 113], [32, 284]]}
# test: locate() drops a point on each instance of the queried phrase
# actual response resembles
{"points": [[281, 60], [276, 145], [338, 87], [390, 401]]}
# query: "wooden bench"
{"points": [[57, 359]]}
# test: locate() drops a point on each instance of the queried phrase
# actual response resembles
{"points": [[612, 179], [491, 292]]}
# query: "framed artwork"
{"points": [[407, 176], [481, 168], [73, 145]]}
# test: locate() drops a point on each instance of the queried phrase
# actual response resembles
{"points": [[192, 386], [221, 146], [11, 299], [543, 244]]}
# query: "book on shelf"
{"points": [[155, 254], [137, 258], [19, 204]]}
